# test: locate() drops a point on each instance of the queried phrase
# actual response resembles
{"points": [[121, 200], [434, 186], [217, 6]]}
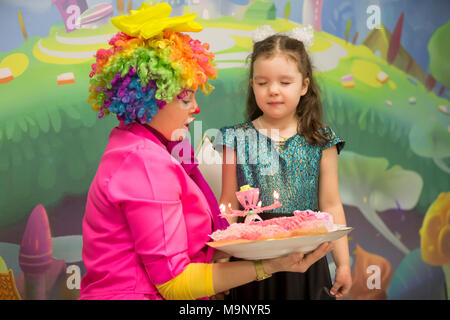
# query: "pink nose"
{"points": [[197, 110]]}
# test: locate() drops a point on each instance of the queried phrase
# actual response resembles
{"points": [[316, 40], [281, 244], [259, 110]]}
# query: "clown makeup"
{"points": [[185, 98]]}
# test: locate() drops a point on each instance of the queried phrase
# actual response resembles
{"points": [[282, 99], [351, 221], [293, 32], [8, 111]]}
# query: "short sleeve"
{"points": [[226, 137], [146, 190], [334, 139]]}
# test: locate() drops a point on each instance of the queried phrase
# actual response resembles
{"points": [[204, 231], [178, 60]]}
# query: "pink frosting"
{"points": [[304, 220], [310, 215]]}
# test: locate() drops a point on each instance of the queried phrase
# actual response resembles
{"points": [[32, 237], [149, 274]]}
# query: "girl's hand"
{"points": [[342, 282], [297, 262]]}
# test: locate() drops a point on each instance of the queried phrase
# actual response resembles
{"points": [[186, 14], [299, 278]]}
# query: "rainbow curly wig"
{"points": [[137, 76]]}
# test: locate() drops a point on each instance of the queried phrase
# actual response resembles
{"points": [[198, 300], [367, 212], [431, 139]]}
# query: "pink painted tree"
{"points": [[312, 14], [396, 37], [35, 256]]}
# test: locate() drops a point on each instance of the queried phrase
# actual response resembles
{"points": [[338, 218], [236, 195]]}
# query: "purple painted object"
{"points": [[35, 255], [312, 14], [97, 13]]}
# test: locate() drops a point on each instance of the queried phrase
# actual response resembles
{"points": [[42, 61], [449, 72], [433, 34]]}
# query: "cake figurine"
{"points": [[248, 197], [254, 228]]}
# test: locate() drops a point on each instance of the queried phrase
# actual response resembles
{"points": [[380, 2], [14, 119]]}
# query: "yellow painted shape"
{"points": [[392, 85], [3, 267], [242, 42], [320, 45], [16, 62], [366, 72], [435, 232], [247, 44]]}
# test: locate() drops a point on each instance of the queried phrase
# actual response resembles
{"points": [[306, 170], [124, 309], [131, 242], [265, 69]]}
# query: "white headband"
{"points": [[303, 34]]}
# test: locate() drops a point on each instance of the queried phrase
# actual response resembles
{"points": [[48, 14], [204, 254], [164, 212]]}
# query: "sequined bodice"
{"points": [[291, 169]]}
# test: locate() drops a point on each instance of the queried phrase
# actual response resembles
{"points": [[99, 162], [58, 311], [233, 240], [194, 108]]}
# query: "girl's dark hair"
{"points": [[309, 109]]}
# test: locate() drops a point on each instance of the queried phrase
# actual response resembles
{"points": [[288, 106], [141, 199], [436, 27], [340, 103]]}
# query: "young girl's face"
{"points": [[278, 85]]}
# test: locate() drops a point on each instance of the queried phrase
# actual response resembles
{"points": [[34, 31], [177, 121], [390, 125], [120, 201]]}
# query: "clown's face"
{"points": [[173, 120]]}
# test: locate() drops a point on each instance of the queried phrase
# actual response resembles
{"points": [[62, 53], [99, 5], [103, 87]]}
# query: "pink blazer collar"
{"points": [[139, 130]]}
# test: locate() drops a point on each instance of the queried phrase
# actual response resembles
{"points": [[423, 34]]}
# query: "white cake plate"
{"points": [[274, 248]]}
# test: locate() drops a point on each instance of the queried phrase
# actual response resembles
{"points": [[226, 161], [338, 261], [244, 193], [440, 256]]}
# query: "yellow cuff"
{"points": [[194, 282]]}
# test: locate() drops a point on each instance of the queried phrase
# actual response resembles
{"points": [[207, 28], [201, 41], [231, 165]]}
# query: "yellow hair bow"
{"points": [[148, 21]]}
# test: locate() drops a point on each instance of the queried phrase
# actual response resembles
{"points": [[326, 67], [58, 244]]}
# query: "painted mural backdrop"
{"points": [[383, 70]]}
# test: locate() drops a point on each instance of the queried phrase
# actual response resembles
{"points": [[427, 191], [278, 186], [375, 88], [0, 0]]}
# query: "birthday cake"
{"points": [[302, 223]]}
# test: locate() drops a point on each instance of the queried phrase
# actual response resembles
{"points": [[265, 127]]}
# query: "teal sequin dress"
{"points": [[291, 169]]}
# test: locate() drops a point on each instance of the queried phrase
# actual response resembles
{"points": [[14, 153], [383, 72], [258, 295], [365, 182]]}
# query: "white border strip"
{"points": [[67, 55]]}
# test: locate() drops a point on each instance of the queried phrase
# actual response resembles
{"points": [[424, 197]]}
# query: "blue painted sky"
{"points": [[421, 19]]}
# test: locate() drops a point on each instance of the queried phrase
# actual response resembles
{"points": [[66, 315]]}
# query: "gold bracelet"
{"points": [[260, 273]]}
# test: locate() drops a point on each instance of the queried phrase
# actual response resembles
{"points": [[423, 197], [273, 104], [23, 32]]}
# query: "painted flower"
{"points": [[435, 232]]}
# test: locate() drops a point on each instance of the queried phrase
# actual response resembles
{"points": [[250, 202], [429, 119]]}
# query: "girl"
{"points": [[284, 110]]}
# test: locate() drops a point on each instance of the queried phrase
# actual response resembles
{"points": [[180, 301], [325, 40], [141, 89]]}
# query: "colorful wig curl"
{"points": [[136, 76]]}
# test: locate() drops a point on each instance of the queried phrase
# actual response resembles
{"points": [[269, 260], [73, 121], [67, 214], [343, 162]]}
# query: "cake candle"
{"points": [[248, 197]]}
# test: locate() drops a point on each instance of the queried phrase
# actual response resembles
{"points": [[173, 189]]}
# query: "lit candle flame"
{"points": [[260, 204], [276, 195], [222, 207], [229, 206]]}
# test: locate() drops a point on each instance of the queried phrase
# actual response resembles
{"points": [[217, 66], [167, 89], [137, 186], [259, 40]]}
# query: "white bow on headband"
{"points": [[303, 34]]}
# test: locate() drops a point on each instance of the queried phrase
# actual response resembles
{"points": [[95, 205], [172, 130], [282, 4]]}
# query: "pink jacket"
{"points": [[145, 219]]}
